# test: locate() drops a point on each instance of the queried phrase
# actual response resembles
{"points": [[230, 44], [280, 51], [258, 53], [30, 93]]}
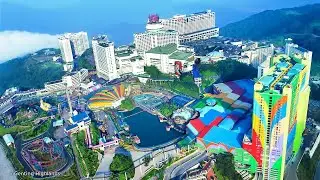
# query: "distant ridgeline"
{"points": [[300, 23], [30, 71]]}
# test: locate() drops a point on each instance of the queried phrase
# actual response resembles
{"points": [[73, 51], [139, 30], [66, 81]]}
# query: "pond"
{"points": [[148, 128]]}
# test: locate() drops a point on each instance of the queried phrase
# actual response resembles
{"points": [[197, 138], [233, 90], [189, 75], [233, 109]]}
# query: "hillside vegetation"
{"points": [[29, 72], [300, 23]]}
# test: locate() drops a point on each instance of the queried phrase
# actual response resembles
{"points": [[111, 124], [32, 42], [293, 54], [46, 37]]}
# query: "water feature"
{"points": [[148, 128]]}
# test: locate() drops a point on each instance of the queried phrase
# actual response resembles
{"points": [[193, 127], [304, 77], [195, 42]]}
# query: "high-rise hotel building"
{"points": [[155, 36], [73, 44], [280, 107], [196, 26], [79, 42], [104, 56], [66, 50]]}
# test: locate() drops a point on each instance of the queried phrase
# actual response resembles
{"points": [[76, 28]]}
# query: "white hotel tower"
{"points": [[73, 44], [79, 42], [154, 36], [104, 57], [196, 26], [66, 50]]}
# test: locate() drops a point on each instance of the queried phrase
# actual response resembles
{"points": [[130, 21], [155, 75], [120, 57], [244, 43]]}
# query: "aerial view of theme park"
{"points": [[80, 133]]}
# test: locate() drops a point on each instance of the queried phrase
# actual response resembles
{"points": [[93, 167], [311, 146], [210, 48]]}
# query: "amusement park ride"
{"points": [[42, 156]]}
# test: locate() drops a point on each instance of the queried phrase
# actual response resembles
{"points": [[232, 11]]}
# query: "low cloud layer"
{"points": [[19, 43]]}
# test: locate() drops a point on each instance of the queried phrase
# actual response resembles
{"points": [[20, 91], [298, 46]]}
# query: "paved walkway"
{"points": [[159, 156], [291, 171], [7, 171], [104, 166], [176, 170]]}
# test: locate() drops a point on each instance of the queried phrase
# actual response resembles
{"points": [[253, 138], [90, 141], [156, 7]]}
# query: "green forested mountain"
{"points": [[31, 71], [300, 23]]}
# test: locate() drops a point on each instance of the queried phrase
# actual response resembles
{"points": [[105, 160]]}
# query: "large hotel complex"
{"points": [[176, 30], [196, 26]]}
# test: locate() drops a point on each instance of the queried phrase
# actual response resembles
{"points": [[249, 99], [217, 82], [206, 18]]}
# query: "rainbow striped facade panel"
{"points": [[270, 124]]}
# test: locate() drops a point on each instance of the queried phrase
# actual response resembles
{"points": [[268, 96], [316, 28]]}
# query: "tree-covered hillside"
{"points": [[300, 23], [86, 60], [31, 71]]}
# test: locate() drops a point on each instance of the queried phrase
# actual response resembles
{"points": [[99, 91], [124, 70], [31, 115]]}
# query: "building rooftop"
{"points": [[105, 44], [102, 40], [47, 140], [135, 58], [180, 55], [53, 82], [80, 117], [123, 53], [201, 31], [266, 80], [158, 31], [167, 49], [58, 123], [225, 109], [282, 73], [8, 138], [190, 15], [70, 127]]}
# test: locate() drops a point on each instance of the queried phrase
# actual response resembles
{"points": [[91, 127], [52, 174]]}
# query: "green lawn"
{"points": [[127, 104], [12, 130], [95, 133], [89, 157]]}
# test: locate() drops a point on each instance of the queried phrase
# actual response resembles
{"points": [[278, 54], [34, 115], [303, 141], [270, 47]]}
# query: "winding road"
{"points": [[177, 170]]}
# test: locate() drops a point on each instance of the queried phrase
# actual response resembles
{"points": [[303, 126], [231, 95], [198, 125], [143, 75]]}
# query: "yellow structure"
{"points": [[44, 106]]}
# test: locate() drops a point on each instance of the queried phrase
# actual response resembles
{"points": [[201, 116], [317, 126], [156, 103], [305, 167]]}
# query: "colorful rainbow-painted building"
{"points": [[279, 113], [108, 98], [260, 122]]}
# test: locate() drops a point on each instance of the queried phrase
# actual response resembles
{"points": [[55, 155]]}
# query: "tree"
{"points": [[95, 132], [224, 167], [155, 73], [127, 104], [228, 70], [84, 63], [167, 109], [146, 160], [122, 165]]}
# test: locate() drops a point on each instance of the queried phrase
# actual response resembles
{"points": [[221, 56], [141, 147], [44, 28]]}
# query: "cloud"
{"points": [[19, 43]]}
